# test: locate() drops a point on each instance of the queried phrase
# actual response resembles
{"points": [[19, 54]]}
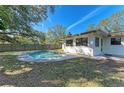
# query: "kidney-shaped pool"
{"points": [[44, 56]]}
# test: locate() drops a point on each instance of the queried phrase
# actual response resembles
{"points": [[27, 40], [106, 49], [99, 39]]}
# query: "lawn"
{"points": [[78, 72]]}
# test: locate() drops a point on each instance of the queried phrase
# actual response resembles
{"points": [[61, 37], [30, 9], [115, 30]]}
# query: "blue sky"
{"points": [[77, 18]]}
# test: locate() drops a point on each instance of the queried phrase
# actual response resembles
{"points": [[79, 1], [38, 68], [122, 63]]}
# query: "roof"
{"points": [[100, 32], [120, 33], [88, 32]]}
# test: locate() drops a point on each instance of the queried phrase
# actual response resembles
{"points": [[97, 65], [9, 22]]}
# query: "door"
{"points": [[101, 45]]}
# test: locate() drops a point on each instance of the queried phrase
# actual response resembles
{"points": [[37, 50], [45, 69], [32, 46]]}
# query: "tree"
{"points": [[24, 40], [90, 27], [19, 19], [55, 34], [104, 24], [2, 25], [39, 39], [113, 23]]}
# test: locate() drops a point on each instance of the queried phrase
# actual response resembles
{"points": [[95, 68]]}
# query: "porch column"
{"points": [[74, 42]]}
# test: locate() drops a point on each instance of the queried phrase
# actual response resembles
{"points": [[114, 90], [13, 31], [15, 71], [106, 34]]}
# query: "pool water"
{"points": [[43, 56], [46, 55]]}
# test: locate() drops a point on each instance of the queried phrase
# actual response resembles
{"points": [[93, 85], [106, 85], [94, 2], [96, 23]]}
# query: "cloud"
{"points": [[91, 14]]}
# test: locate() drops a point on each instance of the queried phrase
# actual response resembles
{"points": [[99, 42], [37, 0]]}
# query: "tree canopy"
{"points": [[55, 34], [90, 27], [2, 25], [18, 20], [39, 39], [113, 23]]}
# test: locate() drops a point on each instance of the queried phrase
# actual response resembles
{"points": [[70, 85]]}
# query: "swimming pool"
{"points": [[44, 56]]}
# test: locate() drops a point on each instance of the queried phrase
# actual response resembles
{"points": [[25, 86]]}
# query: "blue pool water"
{"points": [[44, 56]]}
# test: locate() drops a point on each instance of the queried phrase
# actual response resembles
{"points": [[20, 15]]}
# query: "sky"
{"points": [[77, 18]]}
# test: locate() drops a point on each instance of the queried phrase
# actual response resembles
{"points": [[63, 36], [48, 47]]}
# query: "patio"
{"points": [[82, 72]]}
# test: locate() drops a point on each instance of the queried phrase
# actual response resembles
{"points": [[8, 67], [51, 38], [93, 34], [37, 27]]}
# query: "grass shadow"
{"points": [[75, 72]]}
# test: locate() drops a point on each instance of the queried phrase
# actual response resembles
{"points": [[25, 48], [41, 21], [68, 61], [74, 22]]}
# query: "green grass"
{"points": [[79, 72]]}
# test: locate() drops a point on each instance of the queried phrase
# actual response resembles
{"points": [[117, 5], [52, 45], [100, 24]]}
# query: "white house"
{"points": [[94, 43]]}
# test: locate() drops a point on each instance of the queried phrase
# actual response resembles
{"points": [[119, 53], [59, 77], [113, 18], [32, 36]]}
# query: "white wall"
{"points": [[114, 49], [79, 50], [89, 50], [97, 50]]}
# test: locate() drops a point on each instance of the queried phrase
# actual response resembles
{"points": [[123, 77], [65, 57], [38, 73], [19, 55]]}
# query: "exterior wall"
{"points": [[79, 50], [114, 49], [92, 50], [89, 50], [97, 50], [85, 50]]}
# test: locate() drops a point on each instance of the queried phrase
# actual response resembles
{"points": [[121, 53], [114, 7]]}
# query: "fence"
{"points": [[24, 47]]}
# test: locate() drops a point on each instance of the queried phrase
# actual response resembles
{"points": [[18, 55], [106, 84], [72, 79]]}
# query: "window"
{"points": [[115, 41], [82, 41], [97, 42], [69, 42]]}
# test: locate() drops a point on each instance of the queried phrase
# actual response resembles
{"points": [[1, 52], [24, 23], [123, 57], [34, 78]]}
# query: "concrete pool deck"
{"points": [[67, 57], [105, 57]]}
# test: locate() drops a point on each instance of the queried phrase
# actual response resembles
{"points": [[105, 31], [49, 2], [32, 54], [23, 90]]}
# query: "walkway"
{"points": [[116, 58]]}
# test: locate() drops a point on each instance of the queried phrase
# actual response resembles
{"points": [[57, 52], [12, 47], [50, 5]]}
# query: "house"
{"points": [[96, 42]]}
